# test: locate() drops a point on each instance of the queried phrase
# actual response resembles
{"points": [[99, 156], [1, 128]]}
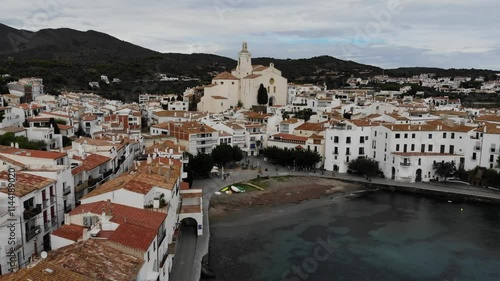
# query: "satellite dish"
{"points": [[43, 255]]}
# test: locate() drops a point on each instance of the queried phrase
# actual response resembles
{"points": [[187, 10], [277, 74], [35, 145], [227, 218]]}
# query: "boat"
{"points": [[236, 189]]}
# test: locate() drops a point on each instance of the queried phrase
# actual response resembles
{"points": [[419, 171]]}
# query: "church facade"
{"points": [[242, 84]]}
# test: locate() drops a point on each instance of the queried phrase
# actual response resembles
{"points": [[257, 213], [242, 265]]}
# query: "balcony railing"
{"points": [[81, 186], [54, 221], [405, 164], [107, 174], [45, 203], [33, 212], [34, 231], [67, 191]]}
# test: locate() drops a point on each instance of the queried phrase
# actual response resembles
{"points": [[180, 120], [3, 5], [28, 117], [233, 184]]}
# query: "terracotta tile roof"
{"points": [[90, 162], [289, 137], [132, 222], [491, 118], [12, 129], [225, 76], [190, 209], [38, 273], [142, 181], [489, 128], [168, 144], [364, 123], [64, 127], [89, 118], [234, 126], [71, 232], [99, 142], [396, 116], [219, 98], [311, 127], [290, 121], [11, 161], [256, 115], [31, 153], [184, 185], [96, 260], [260, 68], [25, 183], [136, 237]]}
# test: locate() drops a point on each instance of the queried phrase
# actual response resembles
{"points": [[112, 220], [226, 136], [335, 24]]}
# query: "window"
{"points": [[397, 147], [348, 140], [474, 156], [452, 135], [398, 136], [430, 148], [413, 147], [375, 133], [430, 136], [491, 158], [441, 150], [336, 150], [148, 256], [422, 148], [336, 139], [361, 139], [444, 135], [413, 136], [386, 135], [347, 151], [419, 161], [406, 136], [374, 154], [361, 151]]}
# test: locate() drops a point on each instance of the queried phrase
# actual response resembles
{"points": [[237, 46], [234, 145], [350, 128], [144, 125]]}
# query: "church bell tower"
{"points": [[244, 62]]}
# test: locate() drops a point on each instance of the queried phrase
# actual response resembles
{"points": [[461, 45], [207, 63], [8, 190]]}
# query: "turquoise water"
{"points": [[376, 236]]}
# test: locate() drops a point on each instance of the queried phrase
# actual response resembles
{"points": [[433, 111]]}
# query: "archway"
{"points": [[418, 177], [272, 101], [393, 176]]}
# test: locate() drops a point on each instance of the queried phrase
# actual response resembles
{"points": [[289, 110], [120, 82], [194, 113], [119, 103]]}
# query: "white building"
{"points": [[241, 86]]}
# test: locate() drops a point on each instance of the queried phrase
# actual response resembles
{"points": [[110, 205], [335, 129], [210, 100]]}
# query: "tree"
{"points": [[66, 141], [365, 166], [222, 154], [237, 153], [296, 158], [202, 164], [444, 169], [262, 97], [52, 122], [179, 97]]}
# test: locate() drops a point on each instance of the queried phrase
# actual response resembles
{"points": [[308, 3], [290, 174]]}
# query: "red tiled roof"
{"points": [[134, 236], [289, 137], [31, 153], [225, 76], [90, 162], [71, 232], [25, 183], [311, 127]]}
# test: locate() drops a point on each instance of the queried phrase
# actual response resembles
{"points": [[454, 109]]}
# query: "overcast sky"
{"points": [[386, 33]]}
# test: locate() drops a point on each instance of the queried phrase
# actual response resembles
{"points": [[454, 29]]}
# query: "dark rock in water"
{"points": [[206, 273]]}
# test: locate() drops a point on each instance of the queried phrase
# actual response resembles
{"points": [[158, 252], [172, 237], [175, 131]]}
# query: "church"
{"points": [[242, 84]]}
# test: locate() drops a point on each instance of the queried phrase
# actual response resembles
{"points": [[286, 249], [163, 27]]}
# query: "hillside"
{"points": [[69, 59]]}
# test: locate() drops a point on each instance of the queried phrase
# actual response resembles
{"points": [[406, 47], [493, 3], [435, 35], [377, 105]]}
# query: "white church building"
{"points": [[242, 84]]}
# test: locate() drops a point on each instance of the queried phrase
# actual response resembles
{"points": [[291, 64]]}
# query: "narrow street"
{"points": [[184, 257]]}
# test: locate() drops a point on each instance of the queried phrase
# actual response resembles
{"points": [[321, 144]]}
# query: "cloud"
{"points": [[387, 33]]}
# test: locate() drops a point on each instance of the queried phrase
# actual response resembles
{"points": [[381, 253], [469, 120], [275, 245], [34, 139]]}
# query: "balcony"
{"points": [[107, 174], [54, 221], [33, 212], [34, 231], [68, 208], [45, 203], [405, 164], [67, 191], [81, 186], [47, 225]]}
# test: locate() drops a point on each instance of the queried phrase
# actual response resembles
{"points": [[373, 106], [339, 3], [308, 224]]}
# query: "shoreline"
{"points": [[279, 191]]}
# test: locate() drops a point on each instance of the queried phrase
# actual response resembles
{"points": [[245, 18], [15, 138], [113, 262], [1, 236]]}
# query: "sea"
{"points": [[367, 235]]}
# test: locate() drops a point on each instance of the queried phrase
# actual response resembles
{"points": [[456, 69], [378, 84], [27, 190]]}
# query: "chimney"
{"points": [[108, 208], [16, 145]]}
